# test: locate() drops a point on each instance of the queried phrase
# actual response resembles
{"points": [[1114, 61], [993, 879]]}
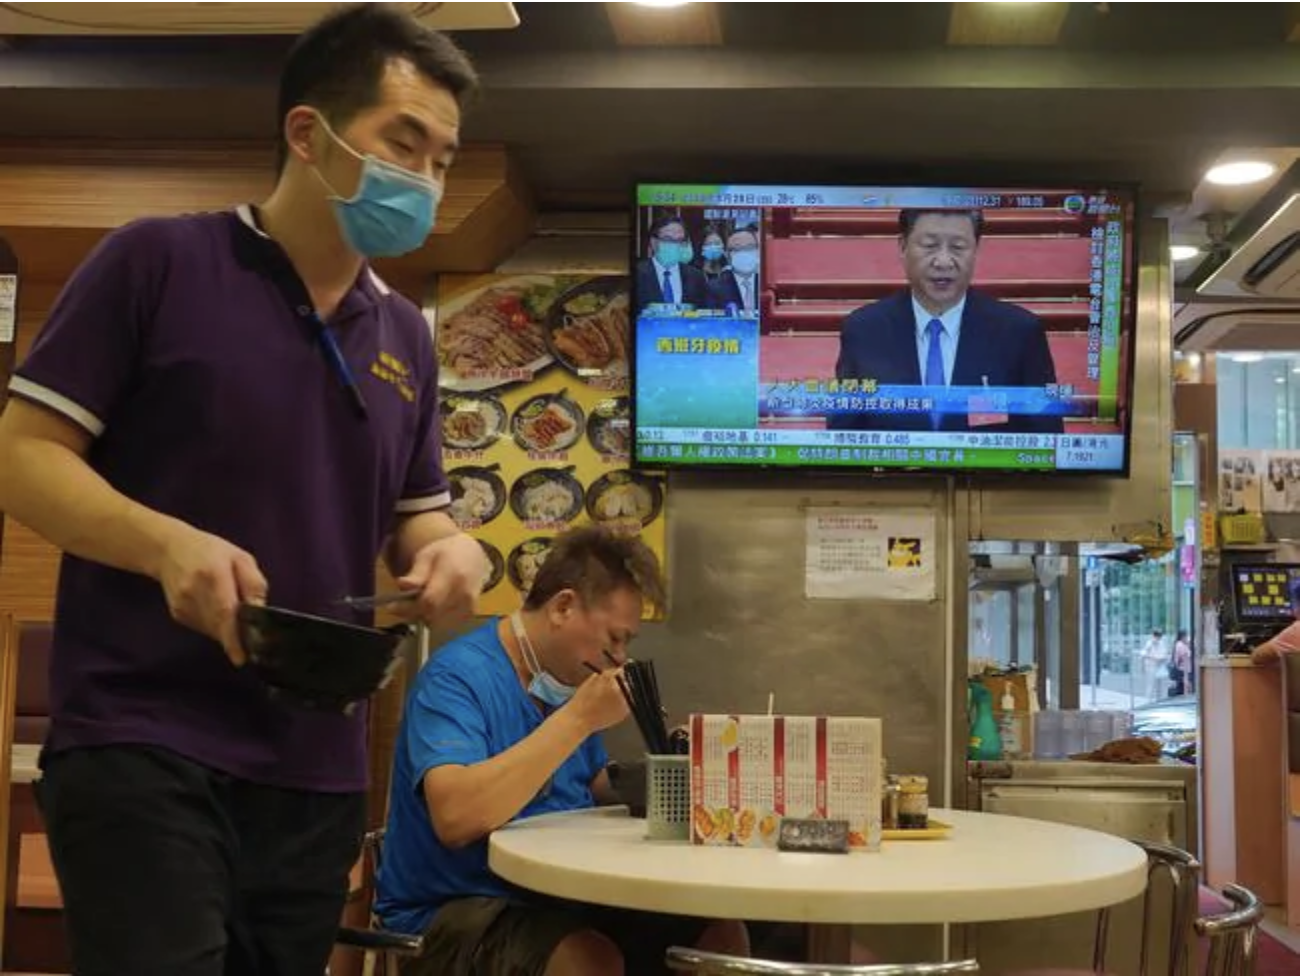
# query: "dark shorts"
{"points": [[516, 936], [168, 868]]}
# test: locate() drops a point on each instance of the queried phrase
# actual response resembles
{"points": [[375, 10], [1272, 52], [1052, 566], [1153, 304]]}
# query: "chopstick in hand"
{"points": [[629, 701], [638, 683], [649, 705]]}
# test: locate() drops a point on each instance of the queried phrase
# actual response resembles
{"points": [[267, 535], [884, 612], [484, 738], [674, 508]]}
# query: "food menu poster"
{"points": [[534, 376], [748, 772]]}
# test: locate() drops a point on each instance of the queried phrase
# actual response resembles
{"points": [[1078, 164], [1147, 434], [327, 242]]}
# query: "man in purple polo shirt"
{"points": [[223, 408]]}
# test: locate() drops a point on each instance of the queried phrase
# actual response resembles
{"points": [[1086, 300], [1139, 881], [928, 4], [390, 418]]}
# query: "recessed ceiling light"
{"points": [[1193, 359], [1247, 357], [1184, 252], [1240, 173]]}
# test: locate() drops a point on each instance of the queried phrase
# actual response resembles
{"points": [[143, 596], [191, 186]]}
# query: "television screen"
{"points": [[1265, 592], [883, 327]]}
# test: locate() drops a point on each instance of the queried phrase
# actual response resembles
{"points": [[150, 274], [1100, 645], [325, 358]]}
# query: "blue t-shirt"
{"points": [[468, 706]]}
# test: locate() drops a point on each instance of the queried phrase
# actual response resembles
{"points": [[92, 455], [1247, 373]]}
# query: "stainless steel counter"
{"points": [[1155, 802]]}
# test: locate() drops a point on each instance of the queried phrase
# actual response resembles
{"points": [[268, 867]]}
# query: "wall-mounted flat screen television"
{"points": [[876, 327]]}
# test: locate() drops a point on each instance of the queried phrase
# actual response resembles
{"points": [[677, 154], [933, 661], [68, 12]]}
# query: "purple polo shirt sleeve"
{"points": [[426, 487], [85, 357]]}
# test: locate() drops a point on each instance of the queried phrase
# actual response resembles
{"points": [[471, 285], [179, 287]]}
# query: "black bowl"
{"points": [[321, 664]]}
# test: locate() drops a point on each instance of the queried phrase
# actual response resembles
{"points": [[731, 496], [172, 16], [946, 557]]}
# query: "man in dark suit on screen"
{"points": [[736, 290], [666, 276], [940, 332]]}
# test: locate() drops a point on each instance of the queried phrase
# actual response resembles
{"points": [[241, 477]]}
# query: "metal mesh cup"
{"points": [[668, 801]]}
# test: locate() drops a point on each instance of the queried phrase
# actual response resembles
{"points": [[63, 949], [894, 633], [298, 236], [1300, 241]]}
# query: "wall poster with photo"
{"points": [[1281, 481], [1240, 481], [534, 407]]}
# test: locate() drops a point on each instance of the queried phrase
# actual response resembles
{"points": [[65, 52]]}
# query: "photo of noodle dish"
{"points": [[471, 423], [497, 566], [548, 423], [547, 497], [524, 562], [609, 428], [479, 496], [624, 496], [494, 335], [588, 331]]}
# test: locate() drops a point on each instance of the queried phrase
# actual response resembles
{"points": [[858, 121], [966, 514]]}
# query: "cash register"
{"points": [[1261, 599]]}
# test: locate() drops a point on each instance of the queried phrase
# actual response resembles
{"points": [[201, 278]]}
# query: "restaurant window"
{"points": [[1124, 604], [1258, 400]]}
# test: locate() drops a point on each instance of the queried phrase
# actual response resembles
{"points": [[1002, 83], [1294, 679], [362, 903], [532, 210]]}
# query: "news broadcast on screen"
{"points": [[934, 328]]}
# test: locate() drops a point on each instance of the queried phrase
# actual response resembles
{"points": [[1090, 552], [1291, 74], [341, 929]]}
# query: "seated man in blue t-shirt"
{"points": [[504, 723]]}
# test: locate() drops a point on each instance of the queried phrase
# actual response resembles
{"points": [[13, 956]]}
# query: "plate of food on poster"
{"points": [[497, 566], [587, 332], [471, 422], [549, 423], [524, 562], [547, 497], [495, 335], [479, 495], [625, 497], [608, 428]]}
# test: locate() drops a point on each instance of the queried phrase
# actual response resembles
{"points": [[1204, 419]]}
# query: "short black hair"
{"points": [[595, 561], [337, 64], [910, 216], [661, 223]]}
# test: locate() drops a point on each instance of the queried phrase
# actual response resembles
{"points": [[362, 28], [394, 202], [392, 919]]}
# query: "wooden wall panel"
{"points": [[29, 566], [58, 199], [29, 570]]}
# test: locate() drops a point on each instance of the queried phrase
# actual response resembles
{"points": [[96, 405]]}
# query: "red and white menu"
{"points": [[750, 771]]}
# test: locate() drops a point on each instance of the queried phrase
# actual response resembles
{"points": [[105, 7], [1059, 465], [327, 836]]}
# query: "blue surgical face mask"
{"points": [[674, 252], [745, 262], [391, 213], [713, 252], [543, 685]]}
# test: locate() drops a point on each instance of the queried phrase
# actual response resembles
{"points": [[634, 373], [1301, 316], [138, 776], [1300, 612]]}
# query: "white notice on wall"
{"points": [[861, 554], [8, 307]]}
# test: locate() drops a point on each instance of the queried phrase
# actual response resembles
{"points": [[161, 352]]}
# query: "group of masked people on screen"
{"points": [[722, 273]]}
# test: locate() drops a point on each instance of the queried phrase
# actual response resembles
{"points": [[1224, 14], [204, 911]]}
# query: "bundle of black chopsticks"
{"points": [[638, 683]]}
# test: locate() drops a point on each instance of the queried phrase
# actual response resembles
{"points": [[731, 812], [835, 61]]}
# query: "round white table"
{"points": [[989, 868]]}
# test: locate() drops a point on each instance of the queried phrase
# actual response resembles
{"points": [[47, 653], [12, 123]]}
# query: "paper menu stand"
{"points": [[749, 772]]}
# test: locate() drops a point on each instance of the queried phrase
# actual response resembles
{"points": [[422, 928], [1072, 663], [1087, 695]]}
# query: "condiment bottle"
{"points": [[913, 804], [891, 804]]}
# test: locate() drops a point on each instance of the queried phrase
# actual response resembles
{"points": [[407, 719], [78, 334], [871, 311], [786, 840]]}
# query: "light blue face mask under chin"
{"points": [[393, 210], [550, 691], [543, 685]]}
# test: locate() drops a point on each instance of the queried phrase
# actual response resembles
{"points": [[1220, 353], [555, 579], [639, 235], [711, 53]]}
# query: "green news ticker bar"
{"points": [[794, 456]]}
